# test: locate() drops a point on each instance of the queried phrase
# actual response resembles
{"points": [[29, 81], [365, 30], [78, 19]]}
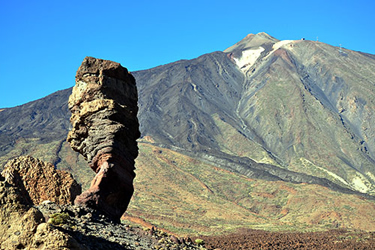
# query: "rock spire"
{"points": [[104, 130]]}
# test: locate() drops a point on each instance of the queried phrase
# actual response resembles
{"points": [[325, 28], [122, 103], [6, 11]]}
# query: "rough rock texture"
{"points": [[92, 230], [53, 226], [40, 181], [22, 225], [15, 207], [104, 130]]}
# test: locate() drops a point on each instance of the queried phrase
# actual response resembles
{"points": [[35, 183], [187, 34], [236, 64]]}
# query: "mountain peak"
{"points": [[252, 40], [265, 36]]}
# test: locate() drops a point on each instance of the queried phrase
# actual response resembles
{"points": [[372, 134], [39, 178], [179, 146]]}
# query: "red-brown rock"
{"points": [[104, 130], [40, 181]]}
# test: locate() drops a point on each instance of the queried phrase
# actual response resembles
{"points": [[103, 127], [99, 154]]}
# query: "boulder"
{"points": [[39, 181], [22, 223], [104, 130]]}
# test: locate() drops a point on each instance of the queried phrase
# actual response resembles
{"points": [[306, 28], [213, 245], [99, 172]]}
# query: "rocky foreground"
{"points": [[29, 222], [85, 228]]}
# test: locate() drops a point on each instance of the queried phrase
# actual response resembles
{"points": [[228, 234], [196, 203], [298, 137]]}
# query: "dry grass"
{"points": [[186, 196]]}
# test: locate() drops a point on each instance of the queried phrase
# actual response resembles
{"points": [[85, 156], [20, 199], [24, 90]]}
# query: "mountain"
{"points": [[300, 106], [236, 138]]}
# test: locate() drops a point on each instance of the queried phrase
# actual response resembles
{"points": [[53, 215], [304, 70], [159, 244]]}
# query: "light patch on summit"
{"points": [[277, 45], [248, 58]]}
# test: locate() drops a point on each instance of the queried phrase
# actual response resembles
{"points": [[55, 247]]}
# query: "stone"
{"points": [[17, 219], [23, 225], [40, 181], [48, 237], [104, 130]]}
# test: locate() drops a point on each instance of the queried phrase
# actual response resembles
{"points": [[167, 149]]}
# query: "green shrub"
{"points": [[199, 242], [58, 218]]}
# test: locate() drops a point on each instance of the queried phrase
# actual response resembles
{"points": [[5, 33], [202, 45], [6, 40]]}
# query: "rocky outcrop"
{"points": [[104, 130], [24, 183], [67, 227], [15, 208], [39, 181]]}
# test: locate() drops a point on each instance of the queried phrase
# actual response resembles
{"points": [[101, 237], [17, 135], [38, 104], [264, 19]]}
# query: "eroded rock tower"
{"points": [[104, 130]]}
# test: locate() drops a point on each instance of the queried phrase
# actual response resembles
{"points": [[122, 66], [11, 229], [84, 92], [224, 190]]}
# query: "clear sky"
{"points": [[43, 42]]}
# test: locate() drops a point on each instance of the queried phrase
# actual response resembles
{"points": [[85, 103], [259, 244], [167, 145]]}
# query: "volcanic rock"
{"points": [[52, 226], [25, 182], [40, 181], [104, 130], [18, 219]]}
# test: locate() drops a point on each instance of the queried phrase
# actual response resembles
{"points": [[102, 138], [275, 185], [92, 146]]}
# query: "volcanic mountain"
{"points": [[297, 106], [262, 133]]}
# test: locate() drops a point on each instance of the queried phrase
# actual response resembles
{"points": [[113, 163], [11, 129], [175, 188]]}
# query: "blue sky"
{"points": [[43, 42]]}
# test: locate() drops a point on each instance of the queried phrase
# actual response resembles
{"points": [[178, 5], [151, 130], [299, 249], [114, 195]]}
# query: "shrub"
{"points": [[58, 218], [199, 242]]}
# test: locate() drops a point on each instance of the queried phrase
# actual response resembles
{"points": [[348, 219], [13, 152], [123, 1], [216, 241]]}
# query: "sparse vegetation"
{"points": [[197, 197], [199, 242], [58, 219]]}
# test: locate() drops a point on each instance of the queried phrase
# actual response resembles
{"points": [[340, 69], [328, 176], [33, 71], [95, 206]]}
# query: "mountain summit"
{"points": [[249, 49], [252, 41], [257, 129]]}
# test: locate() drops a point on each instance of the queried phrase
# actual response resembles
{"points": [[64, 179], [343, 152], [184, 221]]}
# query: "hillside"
{"points": [[189, 196], [260, 135]]}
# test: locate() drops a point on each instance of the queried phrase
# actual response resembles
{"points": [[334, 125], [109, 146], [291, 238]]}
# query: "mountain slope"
{"points": [[40, 128], [189, 196], [299, 105], [309, 103]]}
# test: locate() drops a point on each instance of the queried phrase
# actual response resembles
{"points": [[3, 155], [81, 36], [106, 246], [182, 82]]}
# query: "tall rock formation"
{"points": [[104, 130]]}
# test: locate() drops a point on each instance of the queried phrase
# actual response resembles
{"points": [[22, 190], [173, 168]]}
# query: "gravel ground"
{"points": [[95, 231], [256, 239]]}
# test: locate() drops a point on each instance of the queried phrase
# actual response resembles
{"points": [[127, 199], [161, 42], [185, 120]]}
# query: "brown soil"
{"points": [[256, 239]]}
